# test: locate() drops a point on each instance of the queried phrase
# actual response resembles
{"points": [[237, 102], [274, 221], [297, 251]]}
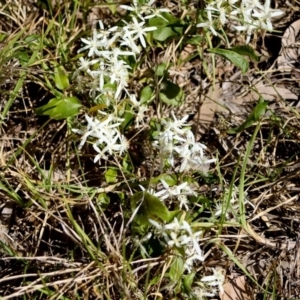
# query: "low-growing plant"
{"points": [[117, 88]]}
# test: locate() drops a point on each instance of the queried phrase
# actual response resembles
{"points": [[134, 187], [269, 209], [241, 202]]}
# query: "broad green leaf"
{"points": [[173, 214], [146, 94], [151, 207], [176, 269], [103, 200], [110, 175], [258, 111], [23, 57], [2, 36], [170, 179], [171, 93], [128, 118], [166, 28], [246, 50], [237, 59], [60, 108], [61, 79], [163, 33], [195, 40], [161, 70], [188, 281]]}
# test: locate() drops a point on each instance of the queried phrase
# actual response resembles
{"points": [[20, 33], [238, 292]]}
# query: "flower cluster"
{"points": [[246, 15], [177, 193], [108, 71], [108, 67], [105, 134], [180, 234], [110, 47], [177, 140]]}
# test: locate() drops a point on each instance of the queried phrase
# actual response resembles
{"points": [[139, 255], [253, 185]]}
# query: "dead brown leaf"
{"points": [[208, 108], [290, 48], [236, 288]]}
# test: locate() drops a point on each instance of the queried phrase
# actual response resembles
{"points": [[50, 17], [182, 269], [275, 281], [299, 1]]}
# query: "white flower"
{"points": [[209, 24], [244, 11], [217, 279], [93, 45], [175, 240], [175, 126], [138, 30], [156, 12], [178, 193], [175, 226], [100, 74], [100, 155], [134, 8], [193, 241], [91, 130], [94, 85], [190, 146], [139, 120], [86, 63], [183, 202], [221, 11], [267, 13], [161, 229], [119, 74], [104, 35], [248, 28], [113, 55], [123, 146], [189, 262], [166, 148], [129, 41]]}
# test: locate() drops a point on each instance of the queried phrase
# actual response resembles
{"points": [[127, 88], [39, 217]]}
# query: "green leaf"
{"points": [[237, 59], [110, 175], [173, 214], [97, 107], [246, 50], [61, 79], [161, 70], [170, 179], [188, 281], [171, 93], [166, 29], [176, 269], [128, 118], [103, 200], [2, 36], [258, 111], [60, 108], [23, 57], [163, 33], [151, 207], [195, 40], [146, 94]]}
